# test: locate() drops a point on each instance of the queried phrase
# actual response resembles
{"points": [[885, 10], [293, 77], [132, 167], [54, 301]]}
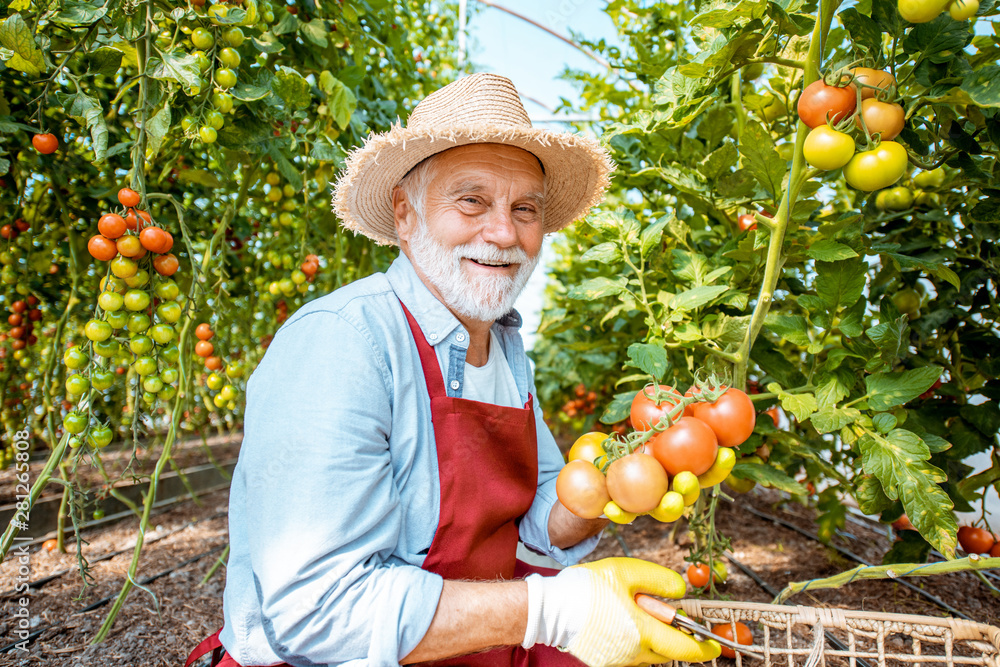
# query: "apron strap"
{"points": [[210, 643], [428, 358]]}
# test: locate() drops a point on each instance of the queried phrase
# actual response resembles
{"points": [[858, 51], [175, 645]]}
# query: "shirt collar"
{"points": [[433, 317]]}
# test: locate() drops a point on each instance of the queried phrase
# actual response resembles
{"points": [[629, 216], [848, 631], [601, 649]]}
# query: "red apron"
{"points": [[477, 534]]}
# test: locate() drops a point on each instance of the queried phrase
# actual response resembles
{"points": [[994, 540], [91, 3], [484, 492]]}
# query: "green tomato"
{"points": [[286, 286], [140, 278], [202, 38], [169, 375], [75, 358], [169, 311], [145, 366], [187, 122], [170, 354], [167, 393], [289, 205], [228, 393], [167, 290], [215, 120], [107, 348], [97, 330], [140, 344], [215, 381], [217, 400], [234, 369], [286, 219], [218, 11], [223, 102], [878, 168], [152, 384], [907, 301], [148, 397], [102, 379], [298, 277], [930, 179], [898, 198], [208, 134], [268, 16], [136, 300], [113, 284], [76, 442], [162, 333], [123, 267], [98, 515], [201, 60], [99, 437], [963, 10], [138, 322], [77, 384], [75, 422], [225, 78], [110, 301], [233, 37], [229, 57], [117, 319]]}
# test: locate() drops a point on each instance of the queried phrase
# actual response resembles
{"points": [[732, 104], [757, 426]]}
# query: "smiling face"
{"points": [[470, 220]]}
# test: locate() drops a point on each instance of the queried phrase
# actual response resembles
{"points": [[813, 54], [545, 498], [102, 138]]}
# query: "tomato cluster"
{"points": [[584, 403], [923, 11], [224, 392], [662, 467]]}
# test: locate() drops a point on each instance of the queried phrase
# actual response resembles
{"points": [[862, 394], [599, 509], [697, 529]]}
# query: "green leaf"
{"points": [[649, 358], [725, 329], [156, 130], [696, 297], [286, 168], [650, 237], [887, 390], [870, 496], [199, 177], [286, 24], [77, 12], [267, 43], [16, 36], [800, 405], [105, 61], [983, 85], [340, 98], [984, 416], [900, 461], [884, 422], [938, 41], [258, 89], [770, 476], [762, 160], [291, 87], [793, 328], [911, 547], [606, 253], [886, 17], [315, 31], [173, 66], [618, 409], [719, 161], [852, 322], [87, 111], [327, 150], [891, 337], [830, 251], [840, 284], [597, 288], [834, 419], [864, 31]]}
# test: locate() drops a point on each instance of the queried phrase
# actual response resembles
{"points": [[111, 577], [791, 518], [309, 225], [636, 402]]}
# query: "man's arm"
{"points": [[473, 616], [567, 529]]}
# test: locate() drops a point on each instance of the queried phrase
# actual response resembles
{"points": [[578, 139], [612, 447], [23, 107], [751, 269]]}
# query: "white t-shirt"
{"points": [[493, 382]]}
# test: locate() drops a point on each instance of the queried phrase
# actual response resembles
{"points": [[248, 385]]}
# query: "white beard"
{"points": [[481, 298]]}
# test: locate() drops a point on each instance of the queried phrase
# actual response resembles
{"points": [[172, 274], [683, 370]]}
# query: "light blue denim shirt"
{"points": [[335, 499]]}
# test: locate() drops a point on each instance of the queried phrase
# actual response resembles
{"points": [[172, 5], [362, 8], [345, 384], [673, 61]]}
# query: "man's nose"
{"points": [[499, 228]]}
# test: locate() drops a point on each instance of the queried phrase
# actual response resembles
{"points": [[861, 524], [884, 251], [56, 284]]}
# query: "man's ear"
{"points": [[402, 212]]}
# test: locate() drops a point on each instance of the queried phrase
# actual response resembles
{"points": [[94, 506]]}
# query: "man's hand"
{"points": [[567, 529], [590, 610]]}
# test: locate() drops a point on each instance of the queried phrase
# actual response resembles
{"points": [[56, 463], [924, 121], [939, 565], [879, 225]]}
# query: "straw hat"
{"points": [[481, 108]]}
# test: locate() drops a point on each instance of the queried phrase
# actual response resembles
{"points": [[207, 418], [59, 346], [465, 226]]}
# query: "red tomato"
{"points": [[213, 363], [687, 445], [128, 197], [975, 540], [645, 411], [166, 265], [203, 331], [743, 636], [155, 239], [881, 117], [995, 551], [112, 225], [637, 482], [820, 102], [731, 418], [746, 222], [50, 545], [698, 575], [133, 222], [872, 81], [902, 523], [582, 489], [102, 248], [203, 348], [129, 246], [774, 413], [45, 143]]}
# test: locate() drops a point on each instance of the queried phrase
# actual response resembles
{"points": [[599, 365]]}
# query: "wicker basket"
{"points": [[798, 636]]}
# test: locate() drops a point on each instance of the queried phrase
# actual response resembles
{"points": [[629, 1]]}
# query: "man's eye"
{"points": [[471, 200]]}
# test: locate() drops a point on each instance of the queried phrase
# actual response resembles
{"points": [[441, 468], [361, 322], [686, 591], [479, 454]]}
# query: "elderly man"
{"points": [[394, 454]]}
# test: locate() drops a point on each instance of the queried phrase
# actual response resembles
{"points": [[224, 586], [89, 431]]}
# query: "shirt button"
{"points": [[460, 337], [433, 336], [455, 384]]}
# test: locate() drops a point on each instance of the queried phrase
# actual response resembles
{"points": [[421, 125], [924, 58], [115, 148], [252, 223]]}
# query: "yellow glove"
{"points": [[590, 611]]}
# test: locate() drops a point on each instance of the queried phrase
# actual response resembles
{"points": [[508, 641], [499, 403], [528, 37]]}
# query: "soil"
{"points": [[161, 630]]}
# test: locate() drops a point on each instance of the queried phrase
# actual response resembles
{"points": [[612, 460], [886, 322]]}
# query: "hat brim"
{"points": [[577, 172]]}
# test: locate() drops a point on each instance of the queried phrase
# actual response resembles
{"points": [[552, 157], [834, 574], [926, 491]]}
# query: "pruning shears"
{"points": [[663, 612]]}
